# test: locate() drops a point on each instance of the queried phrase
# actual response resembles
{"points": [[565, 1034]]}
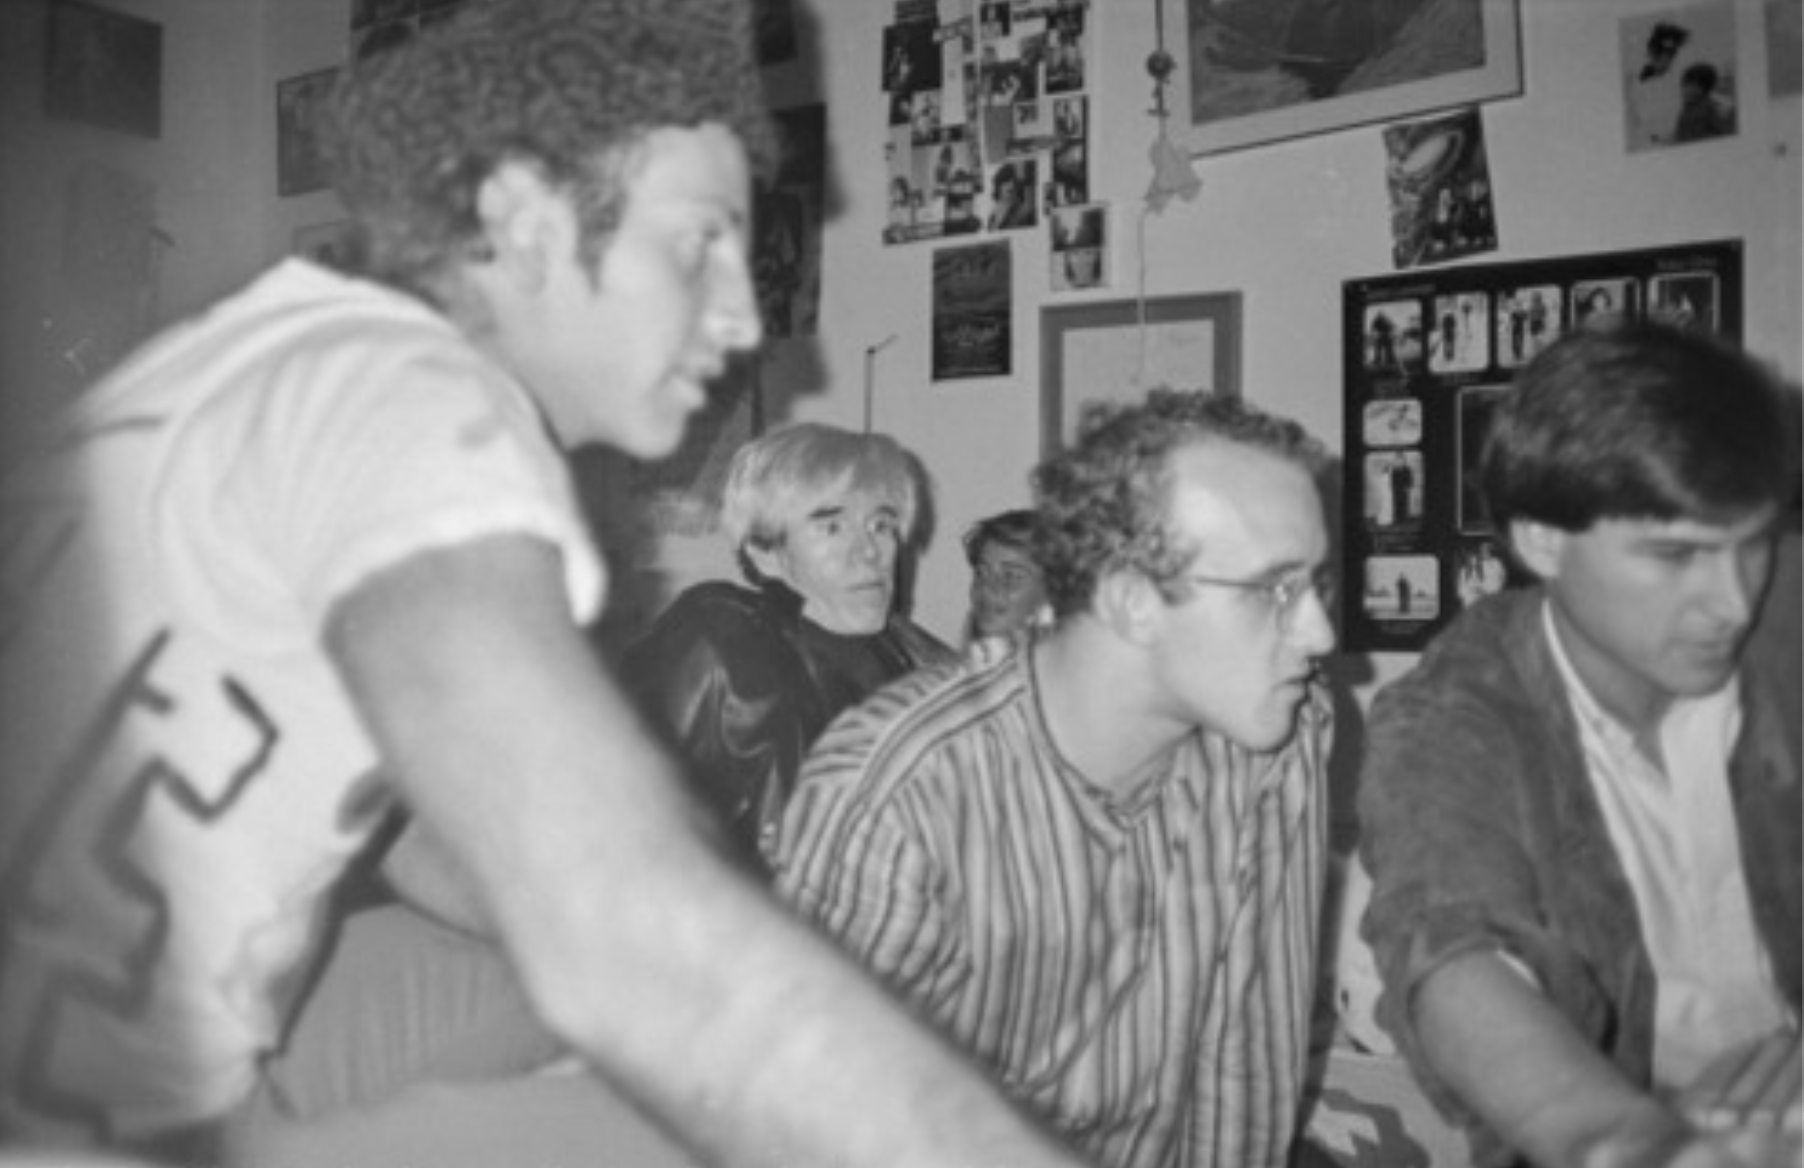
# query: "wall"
{"points": [[208, 170]]}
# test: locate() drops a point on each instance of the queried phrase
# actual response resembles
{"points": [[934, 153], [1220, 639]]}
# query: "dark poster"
{"points": [[1426, 355], [971, 308]]}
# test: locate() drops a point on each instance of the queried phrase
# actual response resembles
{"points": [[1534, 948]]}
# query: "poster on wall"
{"points": [[1679, 76], [989, 120], [971, 311], [786, 224], [1426, 356]]}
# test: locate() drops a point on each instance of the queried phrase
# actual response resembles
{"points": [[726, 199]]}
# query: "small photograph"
{"points": [[1069, 116], [924, 115], [1439, 178], [300, 149], [1481, 572], [1603, 302], [1402, 588], [1012, 187], [1679, 75], [911, 59], [1063, 51], [1070, 173], [1472, 421], [1393, 490], [1393, 337], [1528, 320], [992, 18], [326, 244], [1080, 248], [1685, 300], [1392, 422], [1459, 339]]}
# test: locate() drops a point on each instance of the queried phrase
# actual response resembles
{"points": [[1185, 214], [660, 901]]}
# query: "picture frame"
{"points": [[1116, 350], [103, 68], [1244, 77], [300, 147]]}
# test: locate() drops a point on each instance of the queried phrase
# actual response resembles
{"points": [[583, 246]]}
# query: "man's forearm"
{"points": [[1496, 1040]]}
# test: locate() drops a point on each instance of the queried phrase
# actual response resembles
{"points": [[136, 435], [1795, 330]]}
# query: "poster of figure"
{"points": [[786, 225], [1440, 189], [1679, 75], [1427, 355], [972, 306]]}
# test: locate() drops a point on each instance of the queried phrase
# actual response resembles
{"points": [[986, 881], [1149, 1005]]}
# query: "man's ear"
{"points": [[1127, 603], [523, 219], [1538, 546]]}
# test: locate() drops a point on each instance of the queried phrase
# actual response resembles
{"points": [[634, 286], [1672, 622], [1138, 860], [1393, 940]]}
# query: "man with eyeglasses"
{"points": [[1581, 810], [1094, 856]]}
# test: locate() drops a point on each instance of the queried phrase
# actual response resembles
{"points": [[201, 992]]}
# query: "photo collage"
{"points": [[1426, 356], [989, 117]]}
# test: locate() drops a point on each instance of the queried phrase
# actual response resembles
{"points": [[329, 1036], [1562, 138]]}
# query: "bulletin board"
{"points": [[1426, 356]]}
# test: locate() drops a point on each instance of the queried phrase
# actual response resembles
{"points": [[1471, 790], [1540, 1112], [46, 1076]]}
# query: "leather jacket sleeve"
{"points": [[723, 685]]}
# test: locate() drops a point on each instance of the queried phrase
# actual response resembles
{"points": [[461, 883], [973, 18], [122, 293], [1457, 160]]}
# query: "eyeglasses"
{"points": [[1284, 593]]}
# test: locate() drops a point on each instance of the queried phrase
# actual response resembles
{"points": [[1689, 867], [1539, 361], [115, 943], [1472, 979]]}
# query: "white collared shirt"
{"points": [[1674, 831]]}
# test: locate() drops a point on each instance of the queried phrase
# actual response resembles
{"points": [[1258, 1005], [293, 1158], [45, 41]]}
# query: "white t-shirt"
{"points": [[185, 775]]}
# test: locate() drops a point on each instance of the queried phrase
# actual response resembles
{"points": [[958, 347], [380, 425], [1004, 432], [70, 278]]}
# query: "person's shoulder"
{"points": [[1481, 662], [895, 731]]}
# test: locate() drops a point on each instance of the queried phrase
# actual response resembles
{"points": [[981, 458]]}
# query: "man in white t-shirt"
{"points": [[316, 552]]}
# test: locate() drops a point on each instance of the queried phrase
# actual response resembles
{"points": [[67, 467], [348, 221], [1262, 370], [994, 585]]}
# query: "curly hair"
{"points": [[1105, 503], [568, 85]]}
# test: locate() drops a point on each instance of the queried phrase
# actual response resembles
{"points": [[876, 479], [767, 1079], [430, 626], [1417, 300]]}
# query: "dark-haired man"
{"points": [[1581, 810]]}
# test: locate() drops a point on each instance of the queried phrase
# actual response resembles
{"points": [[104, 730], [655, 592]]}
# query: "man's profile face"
{"points": [[1226, 658], [1651, 610], [839, 555], [624, 354], [1007, 591]]}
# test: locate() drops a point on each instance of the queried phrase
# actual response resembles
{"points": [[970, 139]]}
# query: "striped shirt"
{"points": [[1136, 968]]}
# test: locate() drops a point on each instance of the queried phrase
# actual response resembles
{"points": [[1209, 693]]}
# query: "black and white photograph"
{"points": [[1439, 180], [1393, 337], [1394, 489], [300, 150], [1528, 320], [1685, 299], [1459, 333], [1603, 302], [1679, 76], [1080, 248], [1392, 422], [1401, 588]]}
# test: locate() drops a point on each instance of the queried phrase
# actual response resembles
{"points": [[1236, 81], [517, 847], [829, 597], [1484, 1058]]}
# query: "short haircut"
{"points": [[1638, 420], [1105, 503], [775, 480], [570, 86], [1008, 529]]}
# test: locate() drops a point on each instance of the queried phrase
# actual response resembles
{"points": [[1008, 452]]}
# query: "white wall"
{"points": [[1284, 225], [208, 202]]}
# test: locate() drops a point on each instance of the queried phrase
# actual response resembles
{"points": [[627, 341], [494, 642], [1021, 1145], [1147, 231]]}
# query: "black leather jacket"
{"points": [[742, 684]]}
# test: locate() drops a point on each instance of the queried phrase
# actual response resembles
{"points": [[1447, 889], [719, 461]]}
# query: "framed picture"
{"points": [[103, 68], [1251, 72], [1116, 350], [300, 150]]}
